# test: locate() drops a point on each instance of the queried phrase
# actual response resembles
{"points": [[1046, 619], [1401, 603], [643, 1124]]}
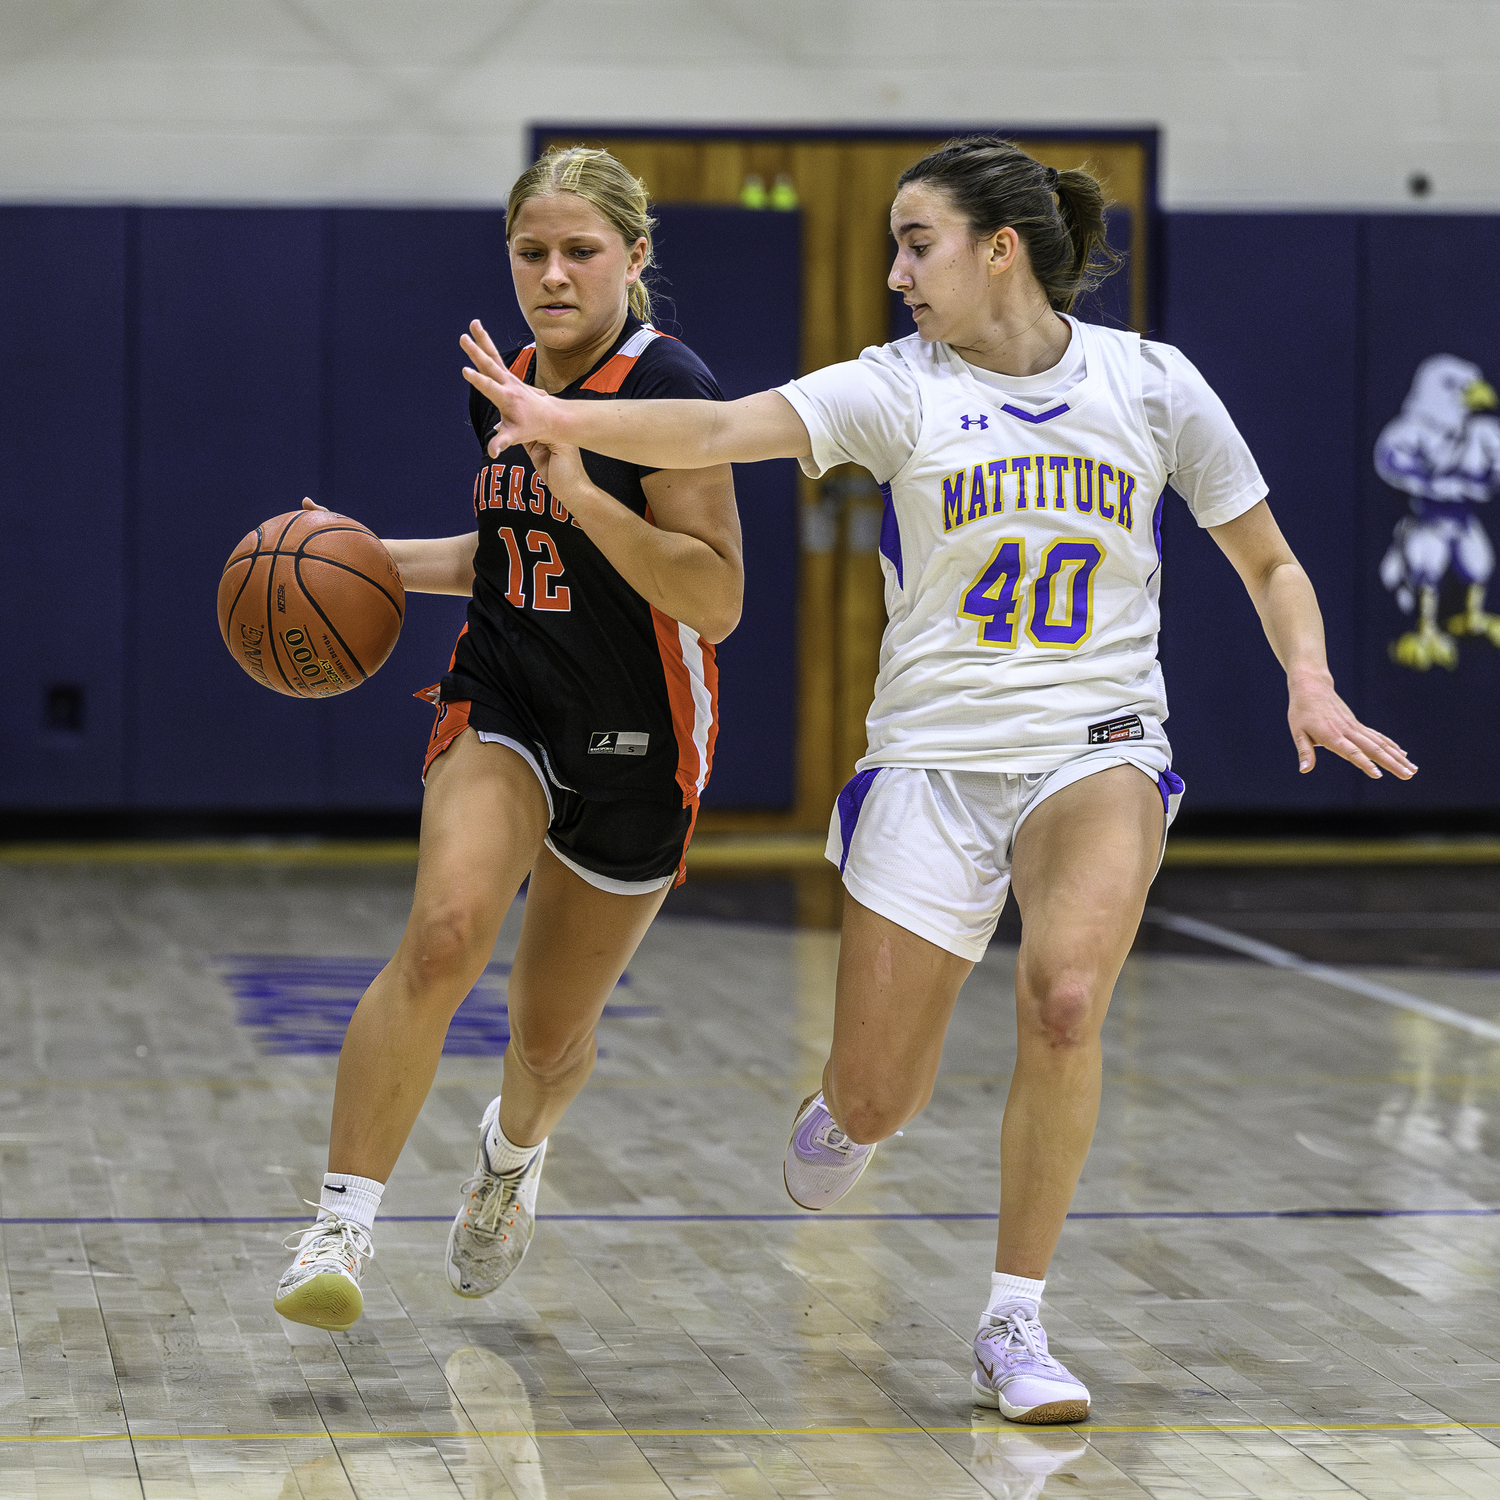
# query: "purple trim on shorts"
{"points": [[1169, 784], [890, 541], [851, 799]]}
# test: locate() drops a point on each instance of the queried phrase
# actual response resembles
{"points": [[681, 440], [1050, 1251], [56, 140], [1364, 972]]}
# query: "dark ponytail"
{"points": [[1059, 216]]}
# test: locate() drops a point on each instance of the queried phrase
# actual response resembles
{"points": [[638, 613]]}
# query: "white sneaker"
{"points": [[821, 1163], [1014, 1372], [321, 1286], [493, 1229]]}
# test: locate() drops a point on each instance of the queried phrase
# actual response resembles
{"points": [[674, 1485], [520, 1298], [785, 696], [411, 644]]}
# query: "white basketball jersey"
{"points": [[1022, 560]]}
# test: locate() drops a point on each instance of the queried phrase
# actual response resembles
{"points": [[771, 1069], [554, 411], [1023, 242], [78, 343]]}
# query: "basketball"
{"points": [[310, 604]]}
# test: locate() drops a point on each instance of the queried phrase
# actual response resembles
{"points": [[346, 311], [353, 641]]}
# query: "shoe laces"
{"points": [[1014, 1333], [497, 1192], [332, 1236], [836, 1140]]}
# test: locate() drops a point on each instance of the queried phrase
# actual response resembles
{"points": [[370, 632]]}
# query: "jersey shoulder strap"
{"points": [[1116, 353], [610, 376]]}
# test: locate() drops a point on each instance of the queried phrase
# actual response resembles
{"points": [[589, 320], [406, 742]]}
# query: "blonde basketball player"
{"points": [[573, 735], [1016, 736]]}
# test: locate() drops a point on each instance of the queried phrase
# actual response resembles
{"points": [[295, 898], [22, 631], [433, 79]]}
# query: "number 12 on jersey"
{"points": [[546, 593], [1062, 598]]}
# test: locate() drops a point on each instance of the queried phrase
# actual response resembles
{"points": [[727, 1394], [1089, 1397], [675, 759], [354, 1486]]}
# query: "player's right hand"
{"points": [[524, 411]]}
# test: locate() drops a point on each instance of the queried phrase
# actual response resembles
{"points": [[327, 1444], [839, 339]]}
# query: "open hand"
{"points": [[525, 415], [1318, 716]]}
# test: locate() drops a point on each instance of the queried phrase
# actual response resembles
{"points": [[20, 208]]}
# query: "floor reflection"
{"points": [[503, 1459]]}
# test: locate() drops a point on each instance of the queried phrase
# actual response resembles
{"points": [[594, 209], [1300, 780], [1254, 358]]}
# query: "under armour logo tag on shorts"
{"points": [[618, 742], [1113, 731], [980, 422]]}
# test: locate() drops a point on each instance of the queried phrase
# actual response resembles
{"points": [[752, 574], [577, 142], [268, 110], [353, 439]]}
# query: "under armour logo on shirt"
{"points": [[980, 422]]}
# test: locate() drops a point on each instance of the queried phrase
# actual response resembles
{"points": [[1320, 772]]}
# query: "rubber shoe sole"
{"points": [[327, 1300], [1048, 1411]]}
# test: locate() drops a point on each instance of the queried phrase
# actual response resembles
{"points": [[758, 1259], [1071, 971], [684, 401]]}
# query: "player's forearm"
{"points": [[436, 565], [680, 575], [1289, 614], [657, 434]]}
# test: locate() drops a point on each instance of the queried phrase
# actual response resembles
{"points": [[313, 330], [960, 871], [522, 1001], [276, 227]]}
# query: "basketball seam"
{"points": [[297, 560], [244, 584], [270, 599], [333, 562]]}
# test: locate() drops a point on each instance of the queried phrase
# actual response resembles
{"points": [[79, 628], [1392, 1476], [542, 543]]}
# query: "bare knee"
{"points": [[870, 1115], [442, 953], [550, 1055], [1062, 1012]]}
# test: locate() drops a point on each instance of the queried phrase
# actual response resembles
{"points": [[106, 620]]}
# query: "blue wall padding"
{"points": [[750, 341], [1266, 307], [1311, 328], [1427, 290], [173, 376], [230, 430], [400, 452], [63, 400]]}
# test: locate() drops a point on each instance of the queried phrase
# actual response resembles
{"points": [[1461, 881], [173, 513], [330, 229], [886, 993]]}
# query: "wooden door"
{"points": [[844, 184]]}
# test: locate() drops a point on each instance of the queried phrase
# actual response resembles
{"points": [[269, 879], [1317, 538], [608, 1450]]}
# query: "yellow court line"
{"points": [[166, 852], [1445, 1082], [749, 853], [1418, 851], [1084, 1429], [689, 1081]]}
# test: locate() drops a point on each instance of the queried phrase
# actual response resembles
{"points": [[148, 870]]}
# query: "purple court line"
{"points": [[1152, 1213]]}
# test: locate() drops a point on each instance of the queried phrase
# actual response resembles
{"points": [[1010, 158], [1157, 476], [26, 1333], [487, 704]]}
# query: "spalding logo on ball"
{"points": [[310, 604]]}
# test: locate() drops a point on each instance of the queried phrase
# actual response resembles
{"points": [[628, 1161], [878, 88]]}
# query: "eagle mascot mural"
{"points": [[1443, 453]]}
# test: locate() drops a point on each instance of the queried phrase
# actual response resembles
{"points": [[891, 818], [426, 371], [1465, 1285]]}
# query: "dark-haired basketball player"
{"points": [[1017, 729], [575, 732]]}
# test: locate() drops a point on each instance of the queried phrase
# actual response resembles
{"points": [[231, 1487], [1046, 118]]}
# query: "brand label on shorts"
{"points": [[618, 742], [1113, 731]]}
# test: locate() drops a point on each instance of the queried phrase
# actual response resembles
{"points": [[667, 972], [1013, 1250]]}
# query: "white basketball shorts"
{"points": [[931, 850]]}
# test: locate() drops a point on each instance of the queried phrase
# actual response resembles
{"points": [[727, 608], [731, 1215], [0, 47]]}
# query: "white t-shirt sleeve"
{"points": [[1208, 463], [864, 411]]}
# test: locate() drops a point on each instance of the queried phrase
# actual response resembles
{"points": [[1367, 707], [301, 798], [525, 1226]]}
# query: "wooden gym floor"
{"points": [[1280, 1278]]}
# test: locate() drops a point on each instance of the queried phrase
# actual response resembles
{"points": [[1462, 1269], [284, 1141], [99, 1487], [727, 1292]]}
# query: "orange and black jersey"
{"points": [[623, 699]]}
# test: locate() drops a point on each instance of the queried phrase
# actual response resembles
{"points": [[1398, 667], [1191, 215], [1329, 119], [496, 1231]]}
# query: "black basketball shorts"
{"points": [[628, 847]]}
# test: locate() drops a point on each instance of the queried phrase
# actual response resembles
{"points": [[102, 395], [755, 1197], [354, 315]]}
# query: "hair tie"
{"points": [[1050, 180]]}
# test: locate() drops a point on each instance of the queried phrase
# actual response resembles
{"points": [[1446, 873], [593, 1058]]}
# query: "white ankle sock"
{"points": [[1007, 1291], [354, 1198], [505, 1156]]}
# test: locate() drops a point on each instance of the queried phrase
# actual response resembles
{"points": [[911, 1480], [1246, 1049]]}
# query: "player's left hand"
{"points": [[1318, 716]]}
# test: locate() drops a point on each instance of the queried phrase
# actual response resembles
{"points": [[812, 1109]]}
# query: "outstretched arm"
{"points": [[1283, 597], [655, 434]]}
